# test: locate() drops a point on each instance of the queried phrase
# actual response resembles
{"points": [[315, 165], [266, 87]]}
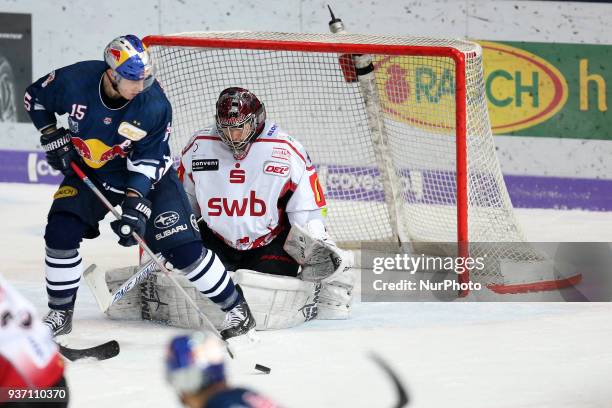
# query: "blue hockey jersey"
{"points": [[125, 147]]}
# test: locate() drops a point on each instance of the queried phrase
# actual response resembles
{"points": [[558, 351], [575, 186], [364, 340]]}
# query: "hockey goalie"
{"points": [[261, 211]]}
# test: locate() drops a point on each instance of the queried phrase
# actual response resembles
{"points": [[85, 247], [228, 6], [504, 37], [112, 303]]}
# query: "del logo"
{"points": [[522, 89], [131, 132], [166, 219], [65, 192], [96, 154], [255, 206], [204, 164], [276, 169]]}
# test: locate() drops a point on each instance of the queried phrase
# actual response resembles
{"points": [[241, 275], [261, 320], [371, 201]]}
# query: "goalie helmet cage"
{"points": [[397, 128]]}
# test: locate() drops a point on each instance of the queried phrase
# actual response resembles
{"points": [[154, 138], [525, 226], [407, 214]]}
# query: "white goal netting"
{"points": [[384, 144]]}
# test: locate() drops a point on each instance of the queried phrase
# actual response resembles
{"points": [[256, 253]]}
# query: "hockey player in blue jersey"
{"points": [[119, 122], [196, 371]]}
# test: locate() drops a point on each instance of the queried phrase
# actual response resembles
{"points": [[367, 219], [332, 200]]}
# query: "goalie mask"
{"points": [[240, 117], [129, 59], [194, 362]]}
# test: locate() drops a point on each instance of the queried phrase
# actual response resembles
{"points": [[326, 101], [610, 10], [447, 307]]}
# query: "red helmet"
{"points": [[238, 108]]}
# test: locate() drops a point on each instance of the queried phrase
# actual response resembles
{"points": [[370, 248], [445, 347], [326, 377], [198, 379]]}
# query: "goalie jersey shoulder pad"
{"points": [[284, 145], [207, 131]]}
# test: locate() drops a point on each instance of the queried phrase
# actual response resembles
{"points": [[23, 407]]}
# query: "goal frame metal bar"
{"points": [[385, 49]]}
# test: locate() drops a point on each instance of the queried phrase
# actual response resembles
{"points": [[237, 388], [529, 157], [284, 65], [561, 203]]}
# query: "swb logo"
{"points": [[255, 206]]}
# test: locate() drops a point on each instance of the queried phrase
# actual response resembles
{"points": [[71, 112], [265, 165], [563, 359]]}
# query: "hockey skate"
{"points": [[59, 321], [239, 321], [238, 329]]}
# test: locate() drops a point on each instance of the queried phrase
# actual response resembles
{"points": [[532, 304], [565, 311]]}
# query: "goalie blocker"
{"points": [[323, 290]]}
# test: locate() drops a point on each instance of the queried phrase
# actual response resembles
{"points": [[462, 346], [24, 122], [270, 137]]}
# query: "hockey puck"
{"points": [[263, 369]]}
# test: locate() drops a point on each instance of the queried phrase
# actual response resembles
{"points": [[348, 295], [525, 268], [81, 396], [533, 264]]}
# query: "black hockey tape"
{"points": [[364, 70], [263, 369]]}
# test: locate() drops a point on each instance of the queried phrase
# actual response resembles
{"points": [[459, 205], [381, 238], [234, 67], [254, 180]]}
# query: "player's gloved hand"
{"points": [[59, 150], [136, 212]]}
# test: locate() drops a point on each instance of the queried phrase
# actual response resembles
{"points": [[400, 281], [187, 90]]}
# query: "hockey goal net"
{"points": [[397, 127]]}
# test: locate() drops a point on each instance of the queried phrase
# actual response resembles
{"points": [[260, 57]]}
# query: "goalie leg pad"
{"points": [[336, 297], [277, 302], [163, 302], [158, 299]]}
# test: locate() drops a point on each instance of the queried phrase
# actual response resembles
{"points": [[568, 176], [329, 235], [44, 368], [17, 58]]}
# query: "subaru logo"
{"points": [[166, 219]]}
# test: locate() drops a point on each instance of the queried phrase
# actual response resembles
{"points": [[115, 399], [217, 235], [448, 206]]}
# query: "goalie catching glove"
{"points": [[319, 256]]}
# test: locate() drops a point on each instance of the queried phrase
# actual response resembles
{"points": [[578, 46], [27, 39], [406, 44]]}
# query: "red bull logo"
{"points": [[96, 154], [116, 54]]}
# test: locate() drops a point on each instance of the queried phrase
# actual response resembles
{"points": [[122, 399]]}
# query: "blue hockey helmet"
{"points": [[129, 58], [194, 362]]}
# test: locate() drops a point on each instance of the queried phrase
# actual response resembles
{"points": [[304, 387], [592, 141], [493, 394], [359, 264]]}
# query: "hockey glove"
{"points": [[136, 212], [59, 150]]}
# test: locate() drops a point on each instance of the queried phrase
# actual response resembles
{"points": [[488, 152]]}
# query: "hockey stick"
{"points": [[146, 248], [402, 395], [101, 352], [96, 281], [97, 284]]}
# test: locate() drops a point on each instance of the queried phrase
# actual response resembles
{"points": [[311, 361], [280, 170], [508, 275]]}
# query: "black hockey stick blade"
{"points": [[402, 395], [101, 352]]}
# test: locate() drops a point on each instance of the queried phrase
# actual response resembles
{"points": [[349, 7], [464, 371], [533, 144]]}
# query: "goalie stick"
{"points": [[103, 351], [97, 284]]}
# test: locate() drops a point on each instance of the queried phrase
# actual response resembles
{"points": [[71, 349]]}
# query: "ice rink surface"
{"points": [[448, 354]]}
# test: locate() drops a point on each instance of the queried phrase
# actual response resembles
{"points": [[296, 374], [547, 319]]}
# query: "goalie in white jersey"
{"points": [[262, 205]]}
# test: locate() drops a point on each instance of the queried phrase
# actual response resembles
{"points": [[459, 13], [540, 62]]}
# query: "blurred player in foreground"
{"points": [[29, 358], [195, 369]]}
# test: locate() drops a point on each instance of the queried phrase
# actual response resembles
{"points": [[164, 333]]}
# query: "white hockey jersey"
{"points": [[25, 342], [245, 201]]}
